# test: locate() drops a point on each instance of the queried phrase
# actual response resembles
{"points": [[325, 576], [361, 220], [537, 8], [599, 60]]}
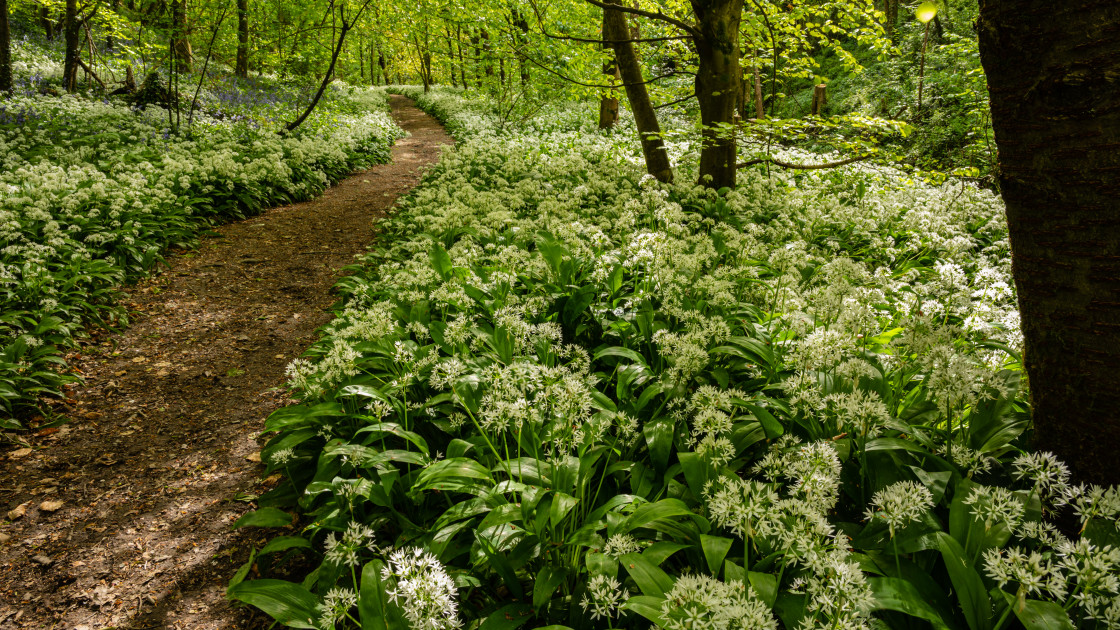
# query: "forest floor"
{"points": [[120, 518]]}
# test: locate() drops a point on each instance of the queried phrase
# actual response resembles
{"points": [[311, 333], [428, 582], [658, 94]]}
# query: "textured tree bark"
{"points": [[718, 77], [46, 23], [181, 42], [5, 49], [649, 130], [72, 29], [759, 106], [1054, 79], [242, 69], [608, 105]]}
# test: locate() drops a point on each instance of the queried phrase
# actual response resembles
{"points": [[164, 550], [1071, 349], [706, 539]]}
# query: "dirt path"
{"points": [[165, 427]]}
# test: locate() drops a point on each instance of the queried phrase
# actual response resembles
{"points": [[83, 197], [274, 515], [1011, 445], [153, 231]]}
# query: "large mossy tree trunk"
{"points": [[719, 80], [5, 49], [1054, 80], [242, 68], [616, 31]]}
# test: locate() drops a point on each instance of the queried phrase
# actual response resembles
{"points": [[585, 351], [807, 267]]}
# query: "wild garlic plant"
{"points": [[601, 402], [93, 193]]}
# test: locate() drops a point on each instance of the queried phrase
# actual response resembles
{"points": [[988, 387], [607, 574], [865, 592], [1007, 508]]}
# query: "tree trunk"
{"points": [[459, 47], [181, 42], [759, 106], [242, 69], [649, 130], [820, 99], [72, 29], [5, 49], [46, 23], [890, 9], [113, 6], [608, 103], [718, 76], [1054, 80]]}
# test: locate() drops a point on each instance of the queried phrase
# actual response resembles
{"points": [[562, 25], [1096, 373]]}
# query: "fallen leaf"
{"points": [[18, 511], [50, 506], [253, 457], [23, 452]]}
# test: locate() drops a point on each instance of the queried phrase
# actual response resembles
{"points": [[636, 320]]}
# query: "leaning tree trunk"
{"points": [[1054, 80], [718, 79], [608, 103], [5, 49], [242, 69], [616, 31], [72, 29]]}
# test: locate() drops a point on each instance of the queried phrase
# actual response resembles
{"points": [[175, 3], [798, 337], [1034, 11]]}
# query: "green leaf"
{"points": [[264, 517], [286, 602], [770, 424], [659, 440], [548, 580], [646, 606], [901, 596], [508, 617], [715, 550], [441, 261], [967, 583], [1038, 615], [765, 585], [282, 543], [619, 351], [649, 578]]}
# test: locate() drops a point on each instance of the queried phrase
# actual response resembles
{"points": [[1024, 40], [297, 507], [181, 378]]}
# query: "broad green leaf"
{"points": [[548, 580], [647, 606], [967, 584], [282, 543], [441, 261], [901, 596], [715, 550], [286, 602], [508, 617], [264, 517], [649, 577], [765, 585], [1039, 615]]}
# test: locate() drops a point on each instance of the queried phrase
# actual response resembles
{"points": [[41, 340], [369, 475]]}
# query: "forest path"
{"points": [[165, 429]]}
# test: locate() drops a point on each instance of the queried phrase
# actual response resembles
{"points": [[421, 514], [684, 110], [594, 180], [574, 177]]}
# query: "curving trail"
{"points": [[166, 424]]}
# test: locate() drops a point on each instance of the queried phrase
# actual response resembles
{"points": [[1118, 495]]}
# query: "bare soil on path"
{"points": [[120, 519]]}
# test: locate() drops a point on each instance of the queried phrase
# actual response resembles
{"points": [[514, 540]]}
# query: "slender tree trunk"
{"points": [[1054, 79], [890, 8], [718, 77], [72, 29], [462, 66], [520, 39], [608, 103], [242, 69], [46, 23], [382, 64], [759, 106], [113, 6], [184, 56], [5, 49], [649, 130]]}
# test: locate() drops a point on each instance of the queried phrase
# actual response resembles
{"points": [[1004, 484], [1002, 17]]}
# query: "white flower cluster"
{"points": [[422, 589]]}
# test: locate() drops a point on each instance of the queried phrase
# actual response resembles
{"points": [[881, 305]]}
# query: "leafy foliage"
{"points": [[597, 401]]}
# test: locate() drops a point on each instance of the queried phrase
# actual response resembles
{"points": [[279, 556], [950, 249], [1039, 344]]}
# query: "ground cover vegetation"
{"points": [[741, 349], [95, 190], [564, 394]]}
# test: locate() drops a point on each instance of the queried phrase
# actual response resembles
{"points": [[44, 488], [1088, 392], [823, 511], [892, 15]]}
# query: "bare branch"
{"points": [[684, 26], [804, 167]]}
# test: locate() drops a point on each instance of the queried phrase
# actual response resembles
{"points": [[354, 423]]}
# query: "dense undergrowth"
{"points": [[562, 395], [93, 192]]}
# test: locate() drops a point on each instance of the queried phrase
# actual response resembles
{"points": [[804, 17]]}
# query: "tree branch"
{"points": [[804, 167], [684, 26]]}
